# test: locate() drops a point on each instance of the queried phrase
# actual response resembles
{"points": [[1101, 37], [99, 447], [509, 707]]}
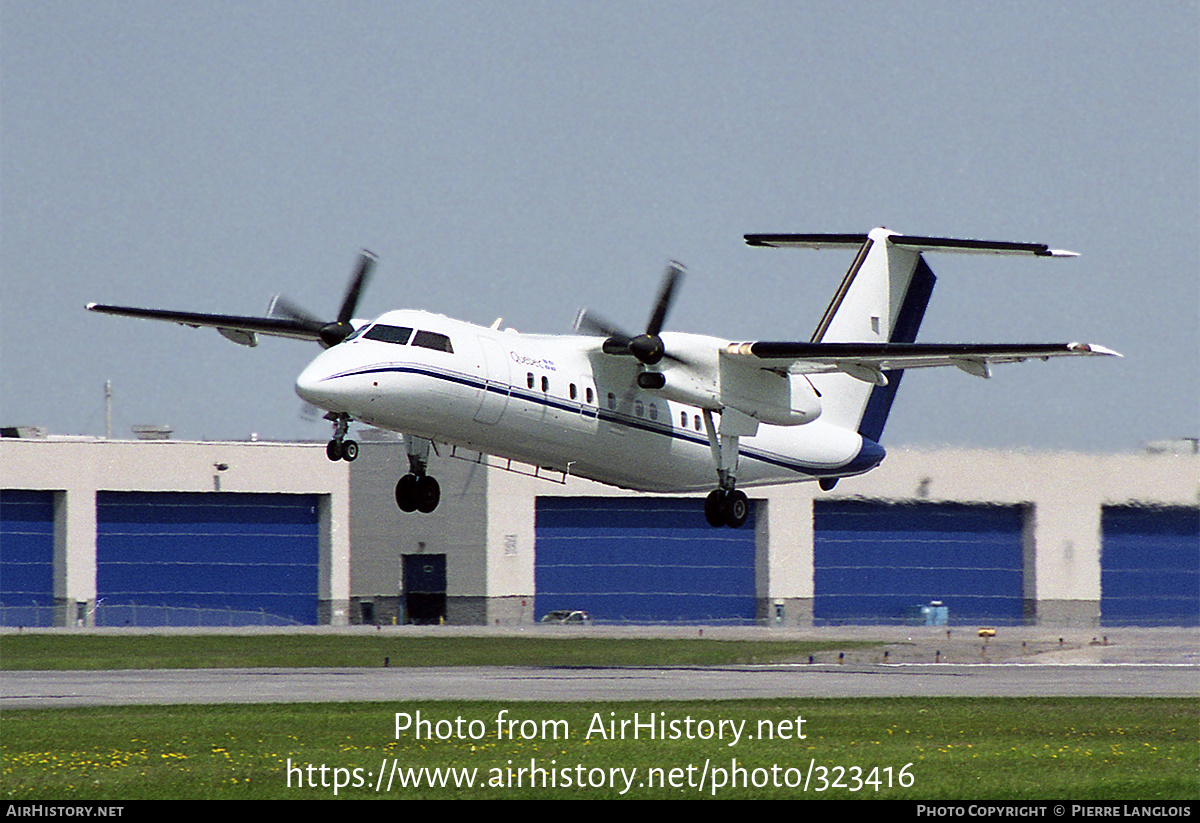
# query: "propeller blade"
{"points": [[281, 307], [590, 323], [366, 262], [671, 279], [337, 331]]}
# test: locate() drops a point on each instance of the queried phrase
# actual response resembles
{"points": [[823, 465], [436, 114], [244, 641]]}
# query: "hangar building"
{"points": [[97, 532]]}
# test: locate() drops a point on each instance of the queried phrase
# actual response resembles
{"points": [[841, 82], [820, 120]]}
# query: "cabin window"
{"points": [[612, 400], [545, 383], [572, 391], [590, 396], [529, 380], [683, 419], [697, 423], [639, 408], [653, 412], [433, 340], [388, 334]]}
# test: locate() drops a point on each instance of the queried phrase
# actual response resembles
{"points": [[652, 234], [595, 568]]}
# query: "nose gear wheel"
{"points": [[339, 448]]}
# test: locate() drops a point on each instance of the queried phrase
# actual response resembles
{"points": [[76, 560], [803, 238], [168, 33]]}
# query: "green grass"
{"points": [[67, 652], [959, 749]]}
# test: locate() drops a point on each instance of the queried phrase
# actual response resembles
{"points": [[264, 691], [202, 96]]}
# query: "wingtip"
{"points": [[1093, 348]]}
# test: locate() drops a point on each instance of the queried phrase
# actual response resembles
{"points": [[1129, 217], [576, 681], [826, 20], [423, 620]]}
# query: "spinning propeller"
{"points": [[285, 319], [648, 347], [329, 333]]}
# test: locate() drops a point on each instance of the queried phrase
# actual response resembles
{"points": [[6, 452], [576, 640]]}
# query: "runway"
{"points": [[200, 686], [1026, 663]]}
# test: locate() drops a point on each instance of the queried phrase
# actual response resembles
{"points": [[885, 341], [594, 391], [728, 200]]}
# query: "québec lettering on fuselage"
{"points": [[658, 411]]}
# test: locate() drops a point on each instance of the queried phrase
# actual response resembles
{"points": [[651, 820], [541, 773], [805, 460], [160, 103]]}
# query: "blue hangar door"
{"points": [[206, 558], [26, 558], [1150, 566], [880, 562], [642, 560]]}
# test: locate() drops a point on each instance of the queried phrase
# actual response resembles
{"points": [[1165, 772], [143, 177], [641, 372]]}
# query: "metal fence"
{"points": [[35, 615], [146, 615]]}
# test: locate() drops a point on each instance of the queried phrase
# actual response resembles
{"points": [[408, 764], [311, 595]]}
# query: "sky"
{"points": [[527, 159]]}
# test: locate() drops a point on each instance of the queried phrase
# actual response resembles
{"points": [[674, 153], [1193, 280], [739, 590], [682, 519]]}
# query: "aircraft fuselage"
{"points": [[559, 402]]}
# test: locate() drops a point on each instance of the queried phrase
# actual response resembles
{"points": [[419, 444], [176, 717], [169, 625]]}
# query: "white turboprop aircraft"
{"points": [[658, 411]]}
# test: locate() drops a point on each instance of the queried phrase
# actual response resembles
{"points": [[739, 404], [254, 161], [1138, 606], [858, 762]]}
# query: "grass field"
{"points": [[81, 652], [1098, 749], [948, 749]]}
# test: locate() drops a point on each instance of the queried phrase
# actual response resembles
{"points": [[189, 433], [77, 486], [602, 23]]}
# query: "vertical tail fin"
{"points": [[882, 299]]}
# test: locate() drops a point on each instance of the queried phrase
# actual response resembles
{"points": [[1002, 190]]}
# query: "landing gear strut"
{"points": [[417, 491], [727, 505], [339, 448]]}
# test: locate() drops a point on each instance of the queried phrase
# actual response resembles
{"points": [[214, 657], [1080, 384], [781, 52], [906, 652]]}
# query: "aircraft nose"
{"points": [[314, 386]]}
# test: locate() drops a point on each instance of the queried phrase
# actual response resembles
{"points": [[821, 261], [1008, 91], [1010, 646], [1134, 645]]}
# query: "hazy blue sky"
{"points": [[525, 159]]}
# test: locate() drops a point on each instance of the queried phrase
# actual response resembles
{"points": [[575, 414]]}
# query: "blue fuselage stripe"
{"points": [[870, 455]]}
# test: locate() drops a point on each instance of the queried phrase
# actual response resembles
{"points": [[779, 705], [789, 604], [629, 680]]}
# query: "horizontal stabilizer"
{"points": [[917, 244], [806, 241]]}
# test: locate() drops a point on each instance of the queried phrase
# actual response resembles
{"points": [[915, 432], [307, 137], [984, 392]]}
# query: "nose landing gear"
{"points": [[339, 448]]}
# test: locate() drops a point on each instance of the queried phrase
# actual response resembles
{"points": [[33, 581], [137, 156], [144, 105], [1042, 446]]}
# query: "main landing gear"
{"points": [[727, 505], [417, 491], [726, 508]]}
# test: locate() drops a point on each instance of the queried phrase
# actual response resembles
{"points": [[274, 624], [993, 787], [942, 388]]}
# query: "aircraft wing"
{"points": [[868, 361], [238, 328], [284, 318]]}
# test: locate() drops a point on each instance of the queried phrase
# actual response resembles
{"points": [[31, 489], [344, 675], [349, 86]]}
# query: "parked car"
{"points": [[567, 616]]}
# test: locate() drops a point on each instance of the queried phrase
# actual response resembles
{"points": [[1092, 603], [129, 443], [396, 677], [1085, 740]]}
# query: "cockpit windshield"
{"points": [[403, 336], [389, 334], [433, 340]]}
